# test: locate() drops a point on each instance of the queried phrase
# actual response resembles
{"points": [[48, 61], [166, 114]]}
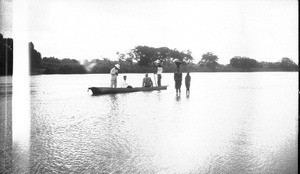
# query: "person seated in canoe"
{"points": [[147, 81], [114, 75], [124, 83]]}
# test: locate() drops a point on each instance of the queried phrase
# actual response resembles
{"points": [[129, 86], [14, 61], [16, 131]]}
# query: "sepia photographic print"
{"points": [[149, 86]]}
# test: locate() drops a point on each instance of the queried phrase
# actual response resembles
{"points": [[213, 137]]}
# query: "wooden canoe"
{"points": [[108, 90]]}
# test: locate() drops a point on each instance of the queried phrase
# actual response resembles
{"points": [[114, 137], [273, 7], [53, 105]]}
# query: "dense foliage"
{"points": [[6, 56], [209, 61], [51, 65], [243, 63], [65, 66], [288, 65], [35, 58], [145, 56], [140, 59]]}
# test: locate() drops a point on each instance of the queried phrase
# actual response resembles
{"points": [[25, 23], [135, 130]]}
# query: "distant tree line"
{"points": [[35, 60], [52, 65], [138, 60], [6, 56], [209, 62], [65, 66]]}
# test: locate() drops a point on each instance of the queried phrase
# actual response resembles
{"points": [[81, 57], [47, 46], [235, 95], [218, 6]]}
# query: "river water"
{"points": [[230, 123], [5, 124]]}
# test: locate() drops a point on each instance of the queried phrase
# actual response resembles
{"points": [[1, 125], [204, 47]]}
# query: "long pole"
{"points": [[154, 79]]}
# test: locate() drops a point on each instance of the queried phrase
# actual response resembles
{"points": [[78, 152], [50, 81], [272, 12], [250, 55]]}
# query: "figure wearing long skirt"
{"points": [[187, 83]]}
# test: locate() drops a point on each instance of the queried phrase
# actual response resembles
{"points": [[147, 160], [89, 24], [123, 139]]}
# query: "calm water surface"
{"points": [[5, 124], [230, 123]]}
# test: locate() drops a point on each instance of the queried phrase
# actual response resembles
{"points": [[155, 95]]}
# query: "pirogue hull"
{"points": [[107, 90]]}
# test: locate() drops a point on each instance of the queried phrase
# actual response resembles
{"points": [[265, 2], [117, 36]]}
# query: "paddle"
{"points": [[154, 77]]}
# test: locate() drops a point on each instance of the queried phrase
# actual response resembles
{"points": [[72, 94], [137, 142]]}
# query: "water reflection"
{"points": [[236, 127], [6, 124], [178, 97], [113, 101], [5, 133], [188, 95]]}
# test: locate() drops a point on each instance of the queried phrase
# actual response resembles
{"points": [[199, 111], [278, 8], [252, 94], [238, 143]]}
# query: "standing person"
{"points": [[178, 80], [114, 75], [159, 72], [147, 81], [124, 84], [187, 83]]}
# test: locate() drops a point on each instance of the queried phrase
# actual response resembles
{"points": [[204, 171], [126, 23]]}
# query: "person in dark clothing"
{"points": [[178, 80], [187, 83]]}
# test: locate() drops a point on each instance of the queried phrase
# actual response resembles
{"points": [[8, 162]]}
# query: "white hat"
{"points": [[117, 66]]}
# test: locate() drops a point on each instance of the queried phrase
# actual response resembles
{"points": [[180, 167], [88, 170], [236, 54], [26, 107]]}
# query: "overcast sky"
{"points": [[264, 30]]}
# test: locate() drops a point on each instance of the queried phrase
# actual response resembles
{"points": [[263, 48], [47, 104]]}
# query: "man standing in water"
{"points": [[178, 77], [114, 75], [157, 64], [178, 80]]}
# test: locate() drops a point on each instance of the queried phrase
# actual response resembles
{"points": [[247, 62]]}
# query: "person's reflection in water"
{"points": [[178, 97], [116, 146], [113, 99], [113, 117], [158, 95]]}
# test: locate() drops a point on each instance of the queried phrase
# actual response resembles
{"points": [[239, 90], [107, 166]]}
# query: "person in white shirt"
{"points": [[159, 73], [124, 83], [114, 75], [157, 64]]}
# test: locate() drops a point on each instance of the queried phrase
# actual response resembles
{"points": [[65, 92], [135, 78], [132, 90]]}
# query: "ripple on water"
{"points": [[231, 123]]}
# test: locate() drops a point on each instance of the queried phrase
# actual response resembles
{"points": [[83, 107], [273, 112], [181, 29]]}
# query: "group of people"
{"points": [[178, 81], [114, 74], [147, 81]]}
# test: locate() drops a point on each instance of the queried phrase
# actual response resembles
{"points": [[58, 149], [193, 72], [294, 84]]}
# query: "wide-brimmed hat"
{"points": [[117, 66]]}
